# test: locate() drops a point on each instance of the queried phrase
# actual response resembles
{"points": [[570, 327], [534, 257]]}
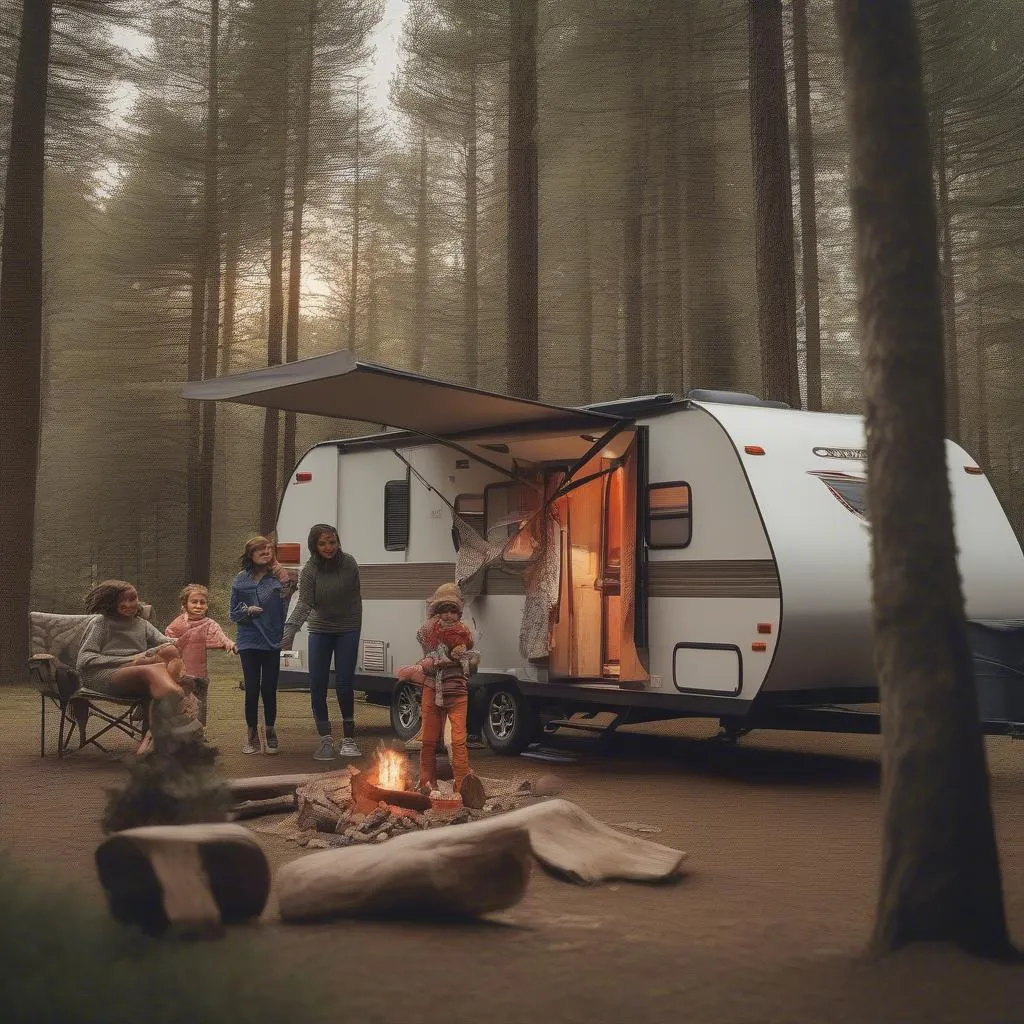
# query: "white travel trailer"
{"points": [[655, 557]]}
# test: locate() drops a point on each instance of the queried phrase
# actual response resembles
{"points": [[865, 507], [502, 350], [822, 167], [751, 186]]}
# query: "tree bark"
{"points": [[275, 308], [353, 290], [230, 293], [948, 287], [200, 570], [940, 869], [633, 237], [422, 271], [808, 212], [981, 369], [471, 257], [522, 350], [773, 204], [21, 327], [299, 175]]}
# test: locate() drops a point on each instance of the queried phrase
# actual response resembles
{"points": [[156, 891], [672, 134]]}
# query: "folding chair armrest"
{"points": [[51, 677]]}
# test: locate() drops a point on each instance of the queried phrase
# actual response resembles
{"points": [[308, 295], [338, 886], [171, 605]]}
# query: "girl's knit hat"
{"points": [[447, 593]]}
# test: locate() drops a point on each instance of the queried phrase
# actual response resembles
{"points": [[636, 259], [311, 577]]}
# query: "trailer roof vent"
{"points": [[733, 398]]}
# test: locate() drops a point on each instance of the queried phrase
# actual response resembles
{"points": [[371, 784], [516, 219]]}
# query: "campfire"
{"points": [[348, 807]]}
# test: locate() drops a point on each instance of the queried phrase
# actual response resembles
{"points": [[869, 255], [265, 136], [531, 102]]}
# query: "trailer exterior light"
{"points": [[759, 645], [303, 478], [974, 470], [764, 627], [753, 449]]}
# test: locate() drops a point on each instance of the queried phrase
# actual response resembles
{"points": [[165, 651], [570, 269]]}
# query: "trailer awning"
{"points": [[338, 385]]}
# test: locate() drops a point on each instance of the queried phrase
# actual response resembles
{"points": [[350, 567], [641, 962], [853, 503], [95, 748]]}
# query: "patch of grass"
{"points": [[63, 960]]}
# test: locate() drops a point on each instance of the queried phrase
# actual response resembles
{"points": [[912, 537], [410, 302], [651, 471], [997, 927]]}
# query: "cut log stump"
{"points": [[189, 880], [452, 872]]}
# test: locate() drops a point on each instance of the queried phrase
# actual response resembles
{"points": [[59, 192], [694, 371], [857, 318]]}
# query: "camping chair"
{"points": [[56, 641]]}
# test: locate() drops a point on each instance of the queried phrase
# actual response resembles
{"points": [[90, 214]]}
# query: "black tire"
{"points": [[405, 710], [511, 722]]}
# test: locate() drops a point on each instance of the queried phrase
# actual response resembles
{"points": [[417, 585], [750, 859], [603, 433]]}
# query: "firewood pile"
{"points": [[333, 810]]}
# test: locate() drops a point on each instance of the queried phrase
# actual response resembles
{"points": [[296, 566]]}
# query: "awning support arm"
{"points": [[606, 438], [478, 458]]}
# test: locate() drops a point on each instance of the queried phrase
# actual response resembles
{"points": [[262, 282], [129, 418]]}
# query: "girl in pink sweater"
{"points": [[197, 632]]}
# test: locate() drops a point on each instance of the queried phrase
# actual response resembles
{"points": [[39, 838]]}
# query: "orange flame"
{"points": [[392, 769]]}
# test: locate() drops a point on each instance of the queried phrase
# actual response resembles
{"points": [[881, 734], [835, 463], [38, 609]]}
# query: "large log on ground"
{"points": [[189, 879], [262, 787], [367, 795], [448, 872]]}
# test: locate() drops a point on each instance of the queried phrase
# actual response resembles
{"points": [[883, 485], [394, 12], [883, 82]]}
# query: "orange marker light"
{"points": [[759, 645], [303, 478], [764, 627], [974, 470], [753, 449]]}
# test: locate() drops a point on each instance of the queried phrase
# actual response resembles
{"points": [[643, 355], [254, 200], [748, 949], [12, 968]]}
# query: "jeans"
{"points": [[343, 649], [260, 670], [454, 709]]}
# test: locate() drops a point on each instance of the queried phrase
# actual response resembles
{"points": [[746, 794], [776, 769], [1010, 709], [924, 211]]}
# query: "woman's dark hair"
{"points": [[104, 597], [246, 562], [314, 535]]}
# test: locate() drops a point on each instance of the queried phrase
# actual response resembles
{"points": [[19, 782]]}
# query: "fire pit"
{"points": [[350, 807]]}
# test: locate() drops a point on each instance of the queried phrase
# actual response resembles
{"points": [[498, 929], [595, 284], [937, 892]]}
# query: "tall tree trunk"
{"points": [[471, 258], [671, 204], [353, 289], [940, 869], [773, 204], [21, 327], [372, 302], [194, 465], [981, 369], [231, 247], [586, 301], [200, 570], [299, 175], [808, 212], [522, 353], [948, 287], [633, 236], [421, 335], [275, 308]]}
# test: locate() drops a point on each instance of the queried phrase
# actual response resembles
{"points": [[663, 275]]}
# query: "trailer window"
{"points": [[850, 491], [470, 509], [668, 515], [396, 515]]}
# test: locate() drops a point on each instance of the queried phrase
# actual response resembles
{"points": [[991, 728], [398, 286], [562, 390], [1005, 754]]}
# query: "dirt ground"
{"points": [[768, 925]]}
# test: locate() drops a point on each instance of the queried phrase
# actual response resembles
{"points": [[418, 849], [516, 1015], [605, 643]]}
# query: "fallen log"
{"points": [[190, 880], [367, 794], [262, 787], [443, 873], [255, 808]]}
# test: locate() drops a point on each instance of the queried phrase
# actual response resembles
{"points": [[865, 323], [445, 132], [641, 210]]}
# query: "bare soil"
{"points": [[769, 924]]}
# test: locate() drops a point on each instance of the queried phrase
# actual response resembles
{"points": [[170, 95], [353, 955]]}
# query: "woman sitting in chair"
{"points": [[126, 656]]}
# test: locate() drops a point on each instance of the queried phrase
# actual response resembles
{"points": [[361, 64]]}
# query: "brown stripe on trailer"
{"points": [[748, 577]]}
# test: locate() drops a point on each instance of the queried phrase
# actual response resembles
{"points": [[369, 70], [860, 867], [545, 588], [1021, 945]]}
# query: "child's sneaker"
{"points": [[271, 737], [325, 752], [349, 748], [252, 742]]}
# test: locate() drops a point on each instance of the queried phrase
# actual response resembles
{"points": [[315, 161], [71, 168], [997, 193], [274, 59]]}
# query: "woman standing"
{"points": [[330, 600], [259, 599]]}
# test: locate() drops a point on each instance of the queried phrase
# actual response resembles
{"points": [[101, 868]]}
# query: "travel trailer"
{"points": [[655, 557]]}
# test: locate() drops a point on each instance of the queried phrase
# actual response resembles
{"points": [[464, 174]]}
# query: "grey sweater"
{"points": [[111, 642], [329, 600]]}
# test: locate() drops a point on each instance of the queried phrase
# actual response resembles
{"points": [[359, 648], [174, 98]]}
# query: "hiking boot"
{"points": [[472, 792], [271, 737], [349, 748], [325, 752], [252, 742]]}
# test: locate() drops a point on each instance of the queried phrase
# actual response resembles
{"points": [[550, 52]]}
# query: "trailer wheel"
{"points": [[511, 722], [405, 711]]}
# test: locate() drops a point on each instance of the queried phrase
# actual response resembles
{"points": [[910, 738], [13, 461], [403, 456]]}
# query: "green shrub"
{"points": [[64, 961]]}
